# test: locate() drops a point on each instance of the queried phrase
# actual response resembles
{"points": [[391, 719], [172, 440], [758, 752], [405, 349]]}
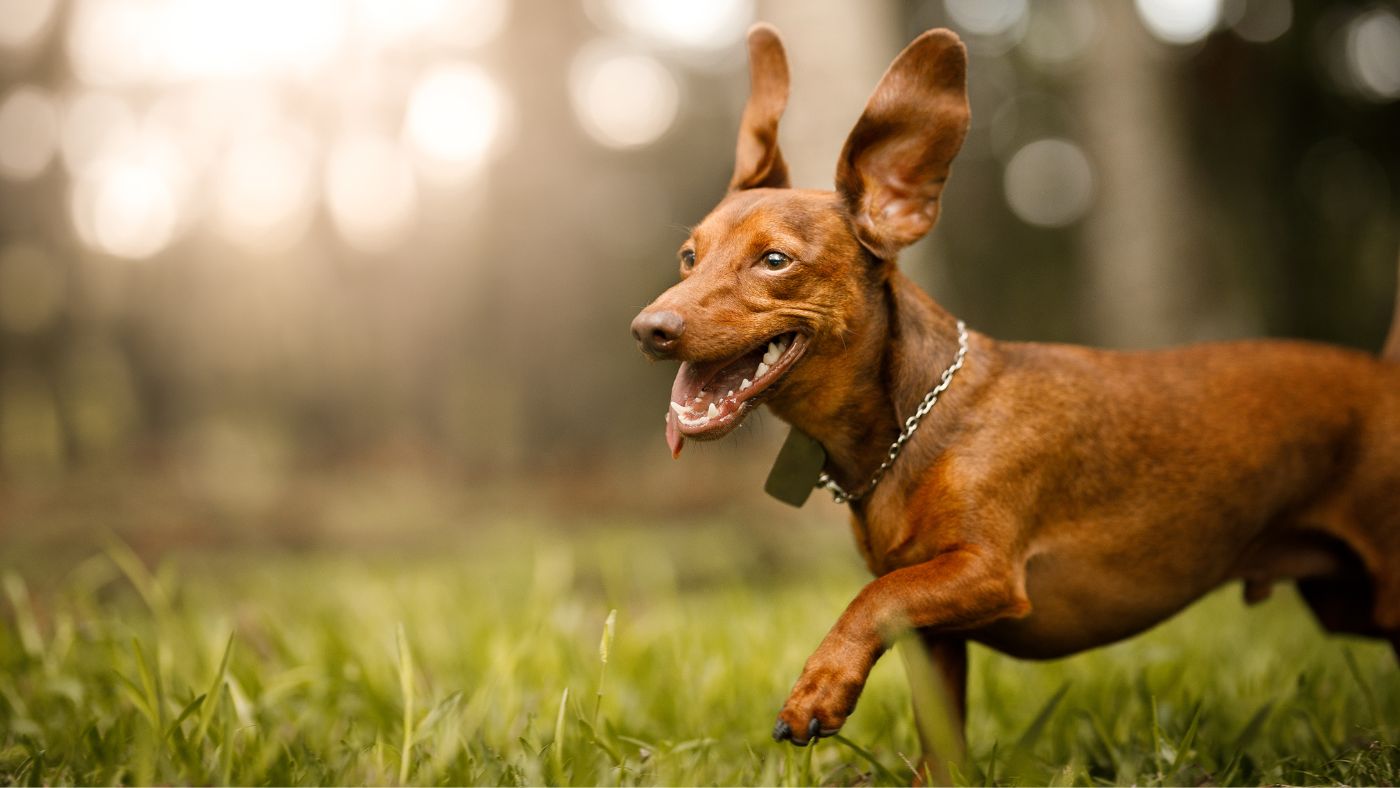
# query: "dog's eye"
{"points": [[688, 259], [776, 261]]}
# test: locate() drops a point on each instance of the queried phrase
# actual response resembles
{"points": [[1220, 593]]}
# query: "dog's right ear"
{"points": [[757, 161]]}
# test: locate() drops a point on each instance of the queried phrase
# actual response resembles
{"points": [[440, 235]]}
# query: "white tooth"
{"points": [[700, 422], [745, 383], [713, 411], [773, 353], [729, 393], [762, 370], [676, 406]]}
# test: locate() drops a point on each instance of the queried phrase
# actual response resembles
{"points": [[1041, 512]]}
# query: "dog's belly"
{"points": [[1050, 632], [1081, 600], [1085, 599]]}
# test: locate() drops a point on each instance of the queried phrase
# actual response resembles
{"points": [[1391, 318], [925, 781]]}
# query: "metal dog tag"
{"points": [[796, 469]]}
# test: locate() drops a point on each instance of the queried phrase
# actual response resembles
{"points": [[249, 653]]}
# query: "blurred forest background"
{"points": [[333, 272]]}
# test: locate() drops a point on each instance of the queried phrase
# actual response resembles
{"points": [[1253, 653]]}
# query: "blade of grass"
{"points": [[880, 769], [206, 713], [406, 687], [604, 646], [150, 685], [18, 593], [1020, 760], [1042, 718], [557, 746], [1157, 740], [141, 578], [1372, 705], [190, 708]]}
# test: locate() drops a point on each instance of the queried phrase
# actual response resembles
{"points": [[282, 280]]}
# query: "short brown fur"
{"points": [[1058, 498]]}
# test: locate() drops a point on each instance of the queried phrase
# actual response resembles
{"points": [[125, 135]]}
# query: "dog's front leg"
{"points": [[962, 589]]}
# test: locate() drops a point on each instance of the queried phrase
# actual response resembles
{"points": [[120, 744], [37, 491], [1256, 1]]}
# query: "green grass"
{"points": [[485, 664]]}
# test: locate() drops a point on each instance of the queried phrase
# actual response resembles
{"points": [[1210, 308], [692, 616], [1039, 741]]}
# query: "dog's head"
{"points": [[778, 283]]}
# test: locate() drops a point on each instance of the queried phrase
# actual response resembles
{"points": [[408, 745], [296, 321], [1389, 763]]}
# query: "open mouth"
{"points": [[709, 399]]}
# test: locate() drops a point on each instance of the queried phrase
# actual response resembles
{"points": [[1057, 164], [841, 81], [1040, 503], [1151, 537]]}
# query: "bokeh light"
{"points": [[986, 17], [266, 191], [126, 208], [130, 196], [1179, 21], [22, 21], [220, 40], [93, 121], [1373, 53], [1049, 183], [472, 23], [370, 190], [28, 132], [120, 42], [1060, 32], [1261, 21], [399, 21], [622, 100], [31, 289], [682, 23], [454, 117], [114, 41]]}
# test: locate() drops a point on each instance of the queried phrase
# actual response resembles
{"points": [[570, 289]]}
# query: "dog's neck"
{"points": [[895, 358]]}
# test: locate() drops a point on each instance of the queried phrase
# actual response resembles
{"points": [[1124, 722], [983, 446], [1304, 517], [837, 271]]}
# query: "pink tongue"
{"points": [[674, 439], [686, 386]]}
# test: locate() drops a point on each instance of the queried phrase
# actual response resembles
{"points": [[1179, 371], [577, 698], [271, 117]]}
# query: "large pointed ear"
{"points": [[896, 160], [757, 160]]}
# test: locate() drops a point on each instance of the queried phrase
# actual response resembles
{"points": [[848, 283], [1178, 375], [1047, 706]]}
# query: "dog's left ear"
{"points": [[895, 161], [757, 160]]}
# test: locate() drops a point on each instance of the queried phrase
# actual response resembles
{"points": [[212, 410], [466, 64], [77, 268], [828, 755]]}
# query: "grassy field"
{"points": [[481, 664]]}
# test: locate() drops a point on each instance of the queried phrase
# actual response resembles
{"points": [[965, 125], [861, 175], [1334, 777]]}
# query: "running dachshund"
{"points": [[1047, 499]]}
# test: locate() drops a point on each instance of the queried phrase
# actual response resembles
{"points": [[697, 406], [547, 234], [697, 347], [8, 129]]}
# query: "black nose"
{"points": [[658, 332]]}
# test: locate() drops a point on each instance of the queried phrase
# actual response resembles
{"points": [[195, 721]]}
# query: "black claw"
{"points": [[782, 731], [813, 728]]}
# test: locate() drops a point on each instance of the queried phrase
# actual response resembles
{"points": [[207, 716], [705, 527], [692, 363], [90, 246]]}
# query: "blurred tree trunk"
{"points": [[1142, 238], [836, 54]]}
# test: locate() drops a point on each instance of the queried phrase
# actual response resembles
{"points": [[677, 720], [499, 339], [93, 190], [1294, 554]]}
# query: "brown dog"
{"points": [[1057, 498]]}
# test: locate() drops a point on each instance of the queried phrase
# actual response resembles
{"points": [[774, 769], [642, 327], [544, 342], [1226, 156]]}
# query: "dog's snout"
{"points": [[658, 331]]}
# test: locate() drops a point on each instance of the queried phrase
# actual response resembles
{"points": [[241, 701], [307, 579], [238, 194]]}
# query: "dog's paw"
{"points": [[818, 706]]}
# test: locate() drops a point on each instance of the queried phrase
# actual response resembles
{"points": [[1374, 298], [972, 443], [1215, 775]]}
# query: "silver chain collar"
{"points": [[824, 481]]}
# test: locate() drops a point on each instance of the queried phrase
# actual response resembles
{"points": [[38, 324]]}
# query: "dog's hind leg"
{"points": [[1341, 604], [937, 668]]}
